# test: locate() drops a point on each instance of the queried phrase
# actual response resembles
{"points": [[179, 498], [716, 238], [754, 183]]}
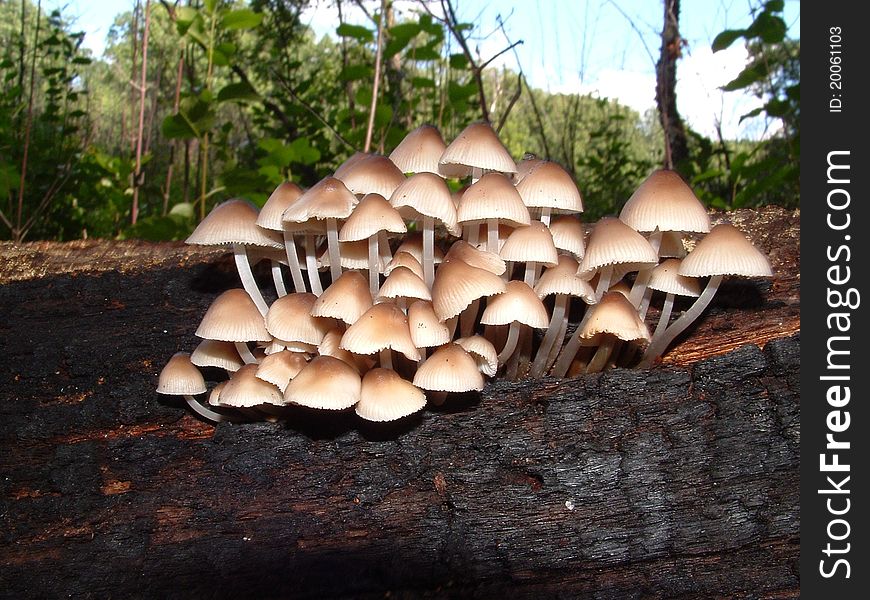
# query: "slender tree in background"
{"points": [[143, 87], [676, 145]]}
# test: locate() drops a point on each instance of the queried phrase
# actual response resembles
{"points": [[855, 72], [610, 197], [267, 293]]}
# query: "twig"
{"points": [[142, 90], [510, 106], [636, 30], [16, 234], [511, 47], [377, 82]]}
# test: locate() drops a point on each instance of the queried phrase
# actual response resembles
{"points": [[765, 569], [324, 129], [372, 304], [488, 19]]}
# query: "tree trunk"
{"points": [[676, 145], [679, 481]]}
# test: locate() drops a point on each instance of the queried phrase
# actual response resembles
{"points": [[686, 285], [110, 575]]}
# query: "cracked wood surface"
{"points": [[680, 481]]}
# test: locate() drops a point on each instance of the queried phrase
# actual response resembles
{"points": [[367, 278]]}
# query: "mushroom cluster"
{"points": [[429, 291]]}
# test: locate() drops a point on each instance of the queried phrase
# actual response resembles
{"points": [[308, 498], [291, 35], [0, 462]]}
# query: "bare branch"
{"points": [[377, 83], [511, 47], [636, 29], [510, 106]]}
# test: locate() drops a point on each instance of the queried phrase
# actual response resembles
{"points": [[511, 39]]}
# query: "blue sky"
{"points": [[588, 46]]}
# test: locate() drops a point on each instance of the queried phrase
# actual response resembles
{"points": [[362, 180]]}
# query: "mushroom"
{"points": [[217, 353], [281, 367], [346, 299], [420, 151], [233, 317], [568, 235], [458, 285], [402, 285], [611, 243], [385, 396], [548, 188], [533, 245], [245, 390], [270, 218], [181, 378], [426, 330], [449, 369], [383, 327], [518, 306], [666, 278], [373, 174], [491, 199], [483, 352], [325, 383], [407, 260], [290, 321], [475, 150]]}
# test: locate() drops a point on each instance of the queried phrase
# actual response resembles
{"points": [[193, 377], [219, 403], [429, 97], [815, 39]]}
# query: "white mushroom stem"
{"points": [[384, 248], [245, 353], [492, 235], [429, 251], [278, 278], [563, 363], [523, 358], [293, 261], [559, 310], [545, 215], [644, 304], [660, 344], [665, 317], [604, 277], [472, 233], [205, 412], [311, 264], [333, 248], [374, 279], [557, 345], [642, 279], [386, 358], [243, 266], [510, 344], [602, 355], [531, 273]]}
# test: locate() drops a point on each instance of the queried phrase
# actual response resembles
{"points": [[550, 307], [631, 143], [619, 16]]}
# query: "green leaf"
{"points": [[185, 15], [81, 60], [210, 5], [183, 209], [304, 152], [768, 27], [219, 58], [9, 178], [423, 82], [726, 38], [404, 31], [238, 92], [228, 49], [394, 46], [426, 53], [458, 61], [243, 18], [356, 73], [177, 127], [752, 113], [383, 115], [357, 32], [457, 92], [746, 77], [270, 144]]}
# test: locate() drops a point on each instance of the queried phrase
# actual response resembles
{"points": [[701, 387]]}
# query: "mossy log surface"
{"points": [[679, 481]]}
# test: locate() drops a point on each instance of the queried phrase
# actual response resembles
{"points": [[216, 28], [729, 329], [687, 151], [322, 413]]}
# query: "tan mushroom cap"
{"points": [[233, 222], [612, 242], [665, 278], [548, 185], [477, 146], [344, 167], [426, 329], [289, 318], [329, 198], [233, 317], [407, 260], [568, 235], [563, 279], [476, 257], [666, 202], [615, 315], [458, 284], [217, 353], [413, 244], [449, 369], [271, 215], [215, 394], [346, 299], [492, 196], [482, 350], [725, 251], [526, 166], [325, 383], [672, 245], [426, 195], [381, 327], [420, 151], [354, 255], [373, 174], [245, 390], [621, 287], [402, 282], [372, 215], [279, 368], [532, 243], [385, 396], [330, 346], [518, 304], [180, 377]]}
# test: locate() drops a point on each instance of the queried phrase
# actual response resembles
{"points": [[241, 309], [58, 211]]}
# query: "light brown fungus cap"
{"points": [[420, 151], [615, 315], [563, 279], [285, 194], [482, 350], [531, 243], [665, 278], [233, 222], [382, 326], [233, 317], [346, 299], [374, 174], [476, 257], [216, 353], [344, 167], [477, 146], [180, 377], [458, 284], [329, 198], [666, 202], [519, 303], [449, 369], [407, 260], [385, 396], [426, 195], [612, 242], [290, 319], [568, 235], [493, 196], [330, 347], [426, 330], [245, 390], [354, 255], [325, 383], [413, 244], [373, 214], [279, 368], [548, 185], [404, 283], [725, 251]]}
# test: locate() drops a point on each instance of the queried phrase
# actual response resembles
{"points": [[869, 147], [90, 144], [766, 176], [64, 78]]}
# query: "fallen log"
{"points": [[679, 481]]}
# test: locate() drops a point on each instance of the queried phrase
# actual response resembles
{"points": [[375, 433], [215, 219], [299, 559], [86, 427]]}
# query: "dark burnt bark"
{"points": [[676, 144]]}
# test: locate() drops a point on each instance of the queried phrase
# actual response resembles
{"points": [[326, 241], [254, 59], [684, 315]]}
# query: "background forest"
{"points": [[197, 101]]}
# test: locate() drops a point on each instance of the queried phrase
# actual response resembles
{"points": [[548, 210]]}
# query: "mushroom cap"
{"points": [[385, 396], [420, 151], [568, 235], [477, 146], [407, 260], [380, 327], [533, 243], [548, 185], [347, 298], [426, 329], [372, 215], [325, 383], [528, 163], [215, 394], [482, 350], [233, 317], [518, 304], [285, 194], [244, 390], [327, 199], [413, 244], [449, 369], [289, 318], [354, 255], [402, 282], [563, 279], [281, 367], [217, 353], [476, 257], [373, 174], [330, 347], [615, 315], [344, 167], [458, 284], [612, 242], [666, 202], [426, 195], [492, 196], [665, 278], [180, 377], [725, 251], [233, 222]]}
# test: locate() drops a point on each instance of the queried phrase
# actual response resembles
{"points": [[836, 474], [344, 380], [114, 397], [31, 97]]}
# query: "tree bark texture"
{"points": [[679, 481], [676, 144]]}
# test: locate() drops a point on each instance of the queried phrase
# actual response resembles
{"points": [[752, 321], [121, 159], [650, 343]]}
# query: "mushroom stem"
{"points": [[525, 355], [468, 318], [665, 317], [644, 304], [429, 251], [245, 353], [451, 325], [207, 413], [243, 266], [604, 277], [374, 279], [476, 173], [384, 248], [660, 344], [545, 215], [278, 278], [602, 355], [640, 282], [557, 345], [531, 273], [293, 261], [437, 398], [559, 311], [510, 344], [492, 235], [386, 358], [311, 264], [472, 234], [563, 363], [333, 248]]}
